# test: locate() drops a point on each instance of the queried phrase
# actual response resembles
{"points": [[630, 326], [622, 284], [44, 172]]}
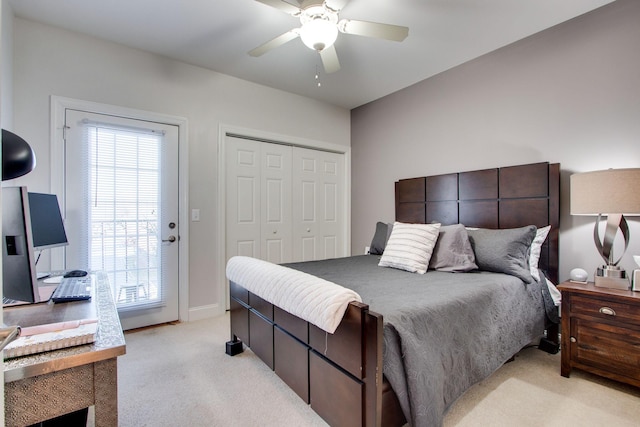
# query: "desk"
{"points": [[46, 385]]}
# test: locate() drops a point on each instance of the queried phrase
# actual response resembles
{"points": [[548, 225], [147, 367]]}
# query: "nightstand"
{"points": [[601, 331]]}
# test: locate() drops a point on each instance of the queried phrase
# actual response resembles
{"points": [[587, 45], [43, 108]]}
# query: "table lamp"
{"points": [[17, 156], [613, 193]]}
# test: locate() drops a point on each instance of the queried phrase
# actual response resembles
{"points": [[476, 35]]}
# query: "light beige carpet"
{"points": [[179, 375]]}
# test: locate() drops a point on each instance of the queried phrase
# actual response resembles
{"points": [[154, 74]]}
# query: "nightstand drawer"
{"points": [[607, 310]]}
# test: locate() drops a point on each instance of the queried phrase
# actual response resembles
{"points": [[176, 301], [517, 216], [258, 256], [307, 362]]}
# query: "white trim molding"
{"points": [[59, 105]]}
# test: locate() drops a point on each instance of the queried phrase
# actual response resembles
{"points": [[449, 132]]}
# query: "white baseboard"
{"points": [[205, 312]]}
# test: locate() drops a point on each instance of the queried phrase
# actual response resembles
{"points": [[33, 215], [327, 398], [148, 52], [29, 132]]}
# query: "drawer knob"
{"points": [[573, 339], [608, 311]]}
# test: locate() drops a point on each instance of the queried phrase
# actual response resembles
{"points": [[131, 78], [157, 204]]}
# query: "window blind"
{"points": [[123, 212]]}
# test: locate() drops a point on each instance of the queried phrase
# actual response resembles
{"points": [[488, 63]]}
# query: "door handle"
{"points": [[170, 239], [608, 311]]}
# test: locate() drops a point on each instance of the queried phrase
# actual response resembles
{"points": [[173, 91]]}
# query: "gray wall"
{"points": [[6, 67], [51, 61], [570, 94]]}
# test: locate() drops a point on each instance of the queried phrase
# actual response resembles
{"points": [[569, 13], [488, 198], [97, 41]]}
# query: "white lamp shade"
{"points": [[612, 191], [318, 34]]}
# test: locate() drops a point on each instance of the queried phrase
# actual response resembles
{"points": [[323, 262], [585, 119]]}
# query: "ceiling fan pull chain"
{"points": [[318, 76]]}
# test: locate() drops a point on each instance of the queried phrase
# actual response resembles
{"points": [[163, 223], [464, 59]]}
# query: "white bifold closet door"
{"points": [[318, 208], [258, 200], [283, 203]]}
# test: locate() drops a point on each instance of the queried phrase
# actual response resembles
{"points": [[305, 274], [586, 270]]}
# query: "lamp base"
{"points": [[636, 281], [610, 276]]}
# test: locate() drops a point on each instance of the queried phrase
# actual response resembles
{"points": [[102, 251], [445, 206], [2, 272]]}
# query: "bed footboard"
{"points": [[339, 375]]}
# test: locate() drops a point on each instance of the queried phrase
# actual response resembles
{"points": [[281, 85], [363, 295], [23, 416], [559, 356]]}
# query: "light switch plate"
{"points": [[195, 214]]}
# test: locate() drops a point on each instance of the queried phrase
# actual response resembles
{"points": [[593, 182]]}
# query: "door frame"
{"points": [[274, 138], [58, 106]]}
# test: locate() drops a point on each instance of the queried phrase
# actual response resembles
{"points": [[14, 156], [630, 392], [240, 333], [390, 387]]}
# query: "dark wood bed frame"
{"points": [[340, 375]]}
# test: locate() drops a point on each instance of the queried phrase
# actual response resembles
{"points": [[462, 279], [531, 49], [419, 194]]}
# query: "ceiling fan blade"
{"points": [[330, 59], [282, 6], [336, 5], [373, 29], [278, 41]]}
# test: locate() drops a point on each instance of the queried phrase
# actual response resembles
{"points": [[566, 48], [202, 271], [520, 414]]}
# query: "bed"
{"points": [[393, 358]]}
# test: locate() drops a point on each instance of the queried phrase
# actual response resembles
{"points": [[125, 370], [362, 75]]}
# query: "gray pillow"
{"points": [[453, 251], [380, 238], [503, 251]]}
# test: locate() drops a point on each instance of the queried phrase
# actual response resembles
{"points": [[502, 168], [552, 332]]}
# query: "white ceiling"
{"points": [[217, 34]]}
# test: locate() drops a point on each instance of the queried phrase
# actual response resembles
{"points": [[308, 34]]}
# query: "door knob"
{"points": [[170, 239]]}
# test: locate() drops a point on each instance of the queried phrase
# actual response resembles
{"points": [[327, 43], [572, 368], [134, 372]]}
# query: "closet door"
{"points": [[243, 198], [275, 203], [258, 205], [318, 205]]}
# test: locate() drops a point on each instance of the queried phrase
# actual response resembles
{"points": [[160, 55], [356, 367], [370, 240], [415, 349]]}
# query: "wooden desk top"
{"points": [[109, 342]]}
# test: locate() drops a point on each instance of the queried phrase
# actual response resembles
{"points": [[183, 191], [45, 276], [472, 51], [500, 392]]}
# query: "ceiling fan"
{"points": [[320, 26]]}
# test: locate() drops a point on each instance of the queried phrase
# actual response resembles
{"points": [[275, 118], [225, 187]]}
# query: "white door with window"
{"points": [[121, 202]]}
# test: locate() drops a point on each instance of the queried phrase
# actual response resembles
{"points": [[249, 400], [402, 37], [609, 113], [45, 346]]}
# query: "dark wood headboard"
{"points": [[506, 197]]}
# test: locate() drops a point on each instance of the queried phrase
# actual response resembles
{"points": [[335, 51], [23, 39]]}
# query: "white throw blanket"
{"points": [[311, 298]]}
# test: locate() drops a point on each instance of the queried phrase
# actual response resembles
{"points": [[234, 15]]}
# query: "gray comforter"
{"points": [[443, 332]]}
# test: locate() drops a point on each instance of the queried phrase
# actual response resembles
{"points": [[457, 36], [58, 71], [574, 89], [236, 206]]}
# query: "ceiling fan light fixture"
{"points": [[318, 34], [319, 28]]}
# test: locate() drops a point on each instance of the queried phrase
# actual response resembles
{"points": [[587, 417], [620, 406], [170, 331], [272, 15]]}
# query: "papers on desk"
{"points": [[54, 336]]}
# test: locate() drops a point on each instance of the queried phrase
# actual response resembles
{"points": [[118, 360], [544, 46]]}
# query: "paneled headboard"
{"points": [[507, 197]]}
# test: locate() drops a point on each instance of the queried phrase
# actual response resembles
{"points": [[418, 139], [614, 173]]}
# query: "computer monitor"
{"points": [[19, 275], [46, 221]]}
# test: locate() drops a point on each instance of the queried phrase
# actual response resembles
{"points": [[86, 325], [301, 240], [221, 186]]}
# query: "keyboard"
{"points": [[73, 289]]}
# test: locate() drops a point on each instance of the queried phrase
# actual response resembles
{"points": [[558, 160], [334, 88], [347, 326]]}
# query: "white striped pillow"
{"points": [[410, 247]]}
